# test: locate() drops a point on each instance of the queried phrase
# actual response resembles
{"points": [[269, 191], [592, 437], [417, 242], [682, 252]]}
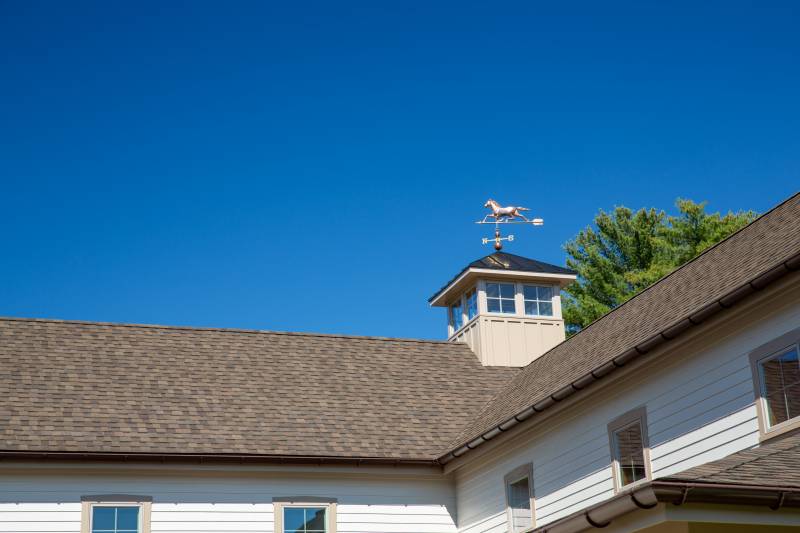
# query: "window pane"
{"points": [[492, 290], [776, 408], [531, 308], [629, 453], [472, 304], [493, 305], [520, 502], [103, 518], [545, 309], [315, 519], [507, 306], [793, 401], [294, 519], [456, 317], [506, 290], [530, 292], [545, 293], [790, 368], [128, 518]]}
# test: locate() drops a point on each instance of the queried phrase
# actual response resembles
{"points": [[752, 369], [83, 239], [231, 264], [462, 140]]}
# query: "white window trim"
{"points": [[636, 415], [757, 356], [279, 504], [144, 503], [518, 473], [515, 298]]}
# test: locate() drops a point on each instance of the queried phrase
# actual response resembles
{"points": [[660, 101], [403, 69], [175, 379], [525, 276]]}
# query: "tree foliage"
{"points": [[624, 252]]}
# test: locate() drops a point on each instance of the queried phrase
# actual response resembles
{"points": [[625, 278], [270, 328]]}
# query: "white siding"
{"points": [[700, 407], [231, 503]]}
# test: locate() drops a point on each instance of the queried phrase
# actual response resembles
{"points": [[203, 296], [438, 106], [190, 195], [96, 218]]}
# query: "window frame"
{"points": [[635, 415], [515, 475], [538, 300], [766, 351], [516, 288], [143, 503], [281, 503]]}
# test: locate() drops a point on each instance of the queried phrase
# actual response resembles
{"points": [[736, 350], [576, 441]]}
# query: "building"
{"points": [[678, 411]]}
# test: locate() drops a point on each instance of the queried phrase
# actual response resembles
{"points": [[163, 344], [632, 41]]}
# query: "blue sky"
{"points": [[318, 166]]}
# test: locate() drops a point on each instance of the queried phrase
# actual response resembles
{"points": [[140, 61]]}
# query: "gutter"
{"points": [[676, 493], [190, 458], [698, 317]]}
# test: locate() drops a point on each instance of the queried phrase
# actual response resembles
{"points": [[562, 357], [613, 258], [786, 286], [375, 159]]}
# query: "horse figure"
{"points": [[509, 212]]}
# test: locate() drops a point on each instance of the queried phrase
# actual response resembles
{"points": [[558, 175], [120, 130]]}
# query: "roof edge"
{"points": [[681, 325], [219, 458]]}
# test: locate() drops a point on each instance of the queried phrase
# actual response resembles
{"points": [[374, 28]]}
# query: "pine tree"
{"points": [[624, 252]]}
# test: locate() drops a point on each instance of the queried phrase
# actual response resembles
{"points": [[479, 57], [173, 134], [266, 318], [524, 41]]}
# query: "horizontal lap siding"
{"points": [[40, 504], [700, 407]]}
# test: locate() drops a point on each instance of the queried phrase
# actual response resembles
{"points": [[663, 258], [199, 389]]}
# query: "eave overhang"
{"points": [[214, 458], [469, 276]]}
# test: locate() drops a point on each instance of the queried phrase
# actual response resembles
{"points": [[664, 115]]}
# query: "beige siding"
{"points": [[229, 503], [700, 407]]}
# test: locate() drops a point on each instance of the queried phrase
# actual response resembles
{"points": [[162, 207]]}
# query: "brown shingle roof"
{"points": [[116, 388], [770, 240], [111, 388], [774, 464]]}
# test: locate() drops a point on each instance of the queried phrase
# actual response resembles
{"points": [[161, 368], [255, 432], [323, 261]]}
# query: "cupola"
{"points": [[507, 308]]}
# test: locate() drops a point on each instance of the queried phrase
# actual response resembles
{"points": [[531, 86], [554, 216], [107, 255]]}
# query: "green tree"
{"points": [[624, 252]]}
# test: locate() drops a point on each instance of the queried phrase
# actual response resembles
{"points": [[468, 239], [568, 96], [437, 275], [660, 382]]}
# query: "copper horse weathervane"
{"points": [[505, 215]]}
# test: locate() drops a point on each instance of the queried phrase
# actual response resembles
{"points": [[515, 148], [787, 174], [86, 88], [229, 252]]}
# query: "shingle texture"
{"points": [[776, 463], [754, 250], [85, 387]]}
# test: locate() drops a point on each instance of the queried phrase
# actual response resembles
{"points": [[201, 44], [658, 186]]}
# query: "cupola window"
{"points": [[500, 298], [472, 304], [456, 315], [538, 300]]}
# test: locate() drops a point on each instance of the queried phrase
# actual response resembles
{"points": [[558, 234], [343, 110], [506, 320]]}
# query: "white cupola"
{"points": [[507, 308]]}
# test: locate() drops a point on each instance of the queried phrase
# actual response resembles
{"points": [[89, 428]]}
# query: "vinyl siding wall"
{"points": [[228, 503], [700, 407]]}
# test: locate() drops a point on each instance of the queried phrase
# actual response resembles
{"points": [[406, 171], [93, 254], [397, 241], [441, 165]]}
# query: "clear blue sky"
{"points": [[318, 166]]}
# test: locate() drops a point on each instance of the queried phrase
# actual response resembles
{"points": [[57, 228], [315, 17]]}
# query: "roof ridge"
{"points": [[224, 330], [682, 266]]}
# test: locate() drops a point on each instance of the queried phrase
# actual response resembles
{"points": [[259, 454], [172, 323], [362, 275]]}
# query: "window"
{"points": [[305, 515], [500, 298], [472, 304], [519, 498], [538, 300], [780, 386], [776, 373], [304, 519], [115, 513], [629, 448], [456, 315], [116, 519]]}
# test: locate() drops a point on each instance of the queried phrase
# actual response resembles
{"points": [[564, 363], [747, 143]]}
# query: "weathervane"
{"points": [[505, 215]]}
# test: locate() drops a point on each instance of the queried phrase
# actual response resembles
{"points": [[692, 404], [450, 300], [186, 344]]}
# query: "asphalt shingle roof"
{"points": [[112, 388], [776, 463], [120, 388]]}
